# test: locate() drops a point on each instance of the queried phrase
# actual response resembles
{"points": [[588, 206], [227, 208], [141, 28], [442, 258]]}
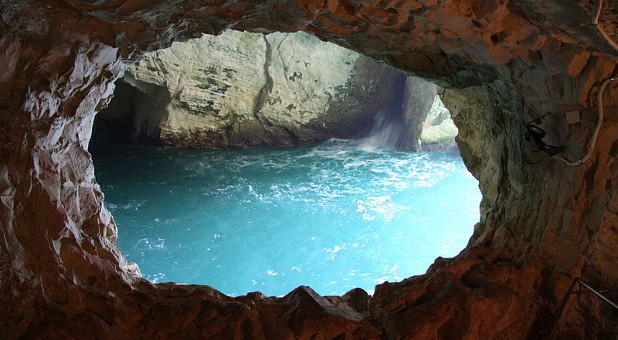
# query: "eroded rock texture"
{"points": [[241, 88], [542, 225], [438, 130]]}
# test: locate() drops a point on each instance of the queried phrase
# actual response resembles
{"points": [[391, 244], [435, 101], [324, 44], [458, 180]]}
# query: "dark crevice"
{"points": [[133, 116], [266, 89]]}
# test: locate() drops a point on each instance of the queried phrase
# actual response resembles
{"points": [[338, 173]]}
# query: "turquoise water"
{"points": [[334, 216]]}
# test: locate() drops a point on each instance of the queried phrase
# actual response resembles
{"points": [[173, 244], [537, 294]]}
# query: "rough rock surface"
{"points": [[542, 226], [429, 126], [438, 130], [241, 88]]}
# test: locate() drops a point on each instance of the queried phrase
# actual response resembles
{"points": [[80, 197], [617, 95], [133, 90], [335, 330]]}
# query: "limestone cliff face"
{"points": [[241, 88], [428, 123], [542, 225], [438, 130]]}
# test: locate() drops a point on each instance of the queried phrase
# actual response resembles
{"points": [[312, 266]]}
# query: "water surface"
{"points": [[335, 216]]}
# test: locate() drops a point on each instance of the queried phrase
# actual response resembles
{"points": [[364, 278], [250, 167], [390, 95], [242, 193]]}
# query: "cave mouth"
{"points": [[353, 204]]}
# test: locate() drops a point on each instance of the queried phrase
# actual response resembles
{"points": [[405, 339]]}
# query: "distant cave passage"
{"points": [[134, 114]]}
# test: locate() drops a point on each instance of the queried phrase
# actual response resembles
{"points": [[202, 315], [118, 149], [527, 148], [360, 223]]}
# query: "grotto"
{"points": [[505, 65]]}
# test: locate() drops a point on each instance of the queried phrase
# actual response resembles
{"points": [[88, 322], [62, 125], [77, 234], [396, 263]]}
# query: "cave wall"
{"points": [[438, 130], [542, 225], [135, 113], [240, 88]]}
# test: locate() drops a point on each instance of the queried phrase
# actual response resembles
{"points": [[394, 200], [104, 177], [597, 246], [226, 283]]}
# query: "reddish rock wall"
{"points": [[61, 276]]}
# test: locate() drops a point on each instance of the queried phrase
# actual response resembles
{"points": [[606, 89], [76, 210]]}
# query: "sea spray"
{"points": [[386, 134]]}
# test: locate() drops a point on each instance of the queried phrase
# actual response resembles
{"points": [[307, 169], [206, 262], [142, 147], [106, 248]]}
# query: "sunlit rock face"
{"points": [[502, 64], [240, 88], [438, 130]]}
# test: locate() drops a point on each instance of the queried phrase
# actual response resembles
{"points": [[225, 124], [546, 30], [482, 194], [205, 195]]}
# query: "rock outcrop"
{"points": [[542, 225], [241, 88], [438, 130]]}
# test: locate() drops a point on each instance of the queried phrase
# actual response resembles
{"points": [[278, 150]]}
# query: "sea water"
{"points": [[334, 216]]}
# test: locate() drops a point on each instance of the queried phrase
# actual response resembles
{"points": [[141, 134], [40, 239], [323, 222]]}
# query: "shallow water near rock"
{"points": [[334, 216]]}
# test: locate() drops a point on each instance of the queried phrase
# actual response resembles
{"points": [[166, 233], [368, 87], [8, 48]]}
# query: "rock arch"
{"points": [[542, 226]]}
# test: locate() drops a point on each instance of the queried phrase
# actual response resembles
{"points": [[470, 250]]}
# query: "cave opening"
{"points": [[542, 226], [371, 190]]}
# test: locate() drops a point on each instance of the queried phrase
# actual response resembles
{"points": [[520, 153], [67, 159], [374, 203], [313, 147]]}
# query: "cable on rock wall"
{"points": [[595, 135]]}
